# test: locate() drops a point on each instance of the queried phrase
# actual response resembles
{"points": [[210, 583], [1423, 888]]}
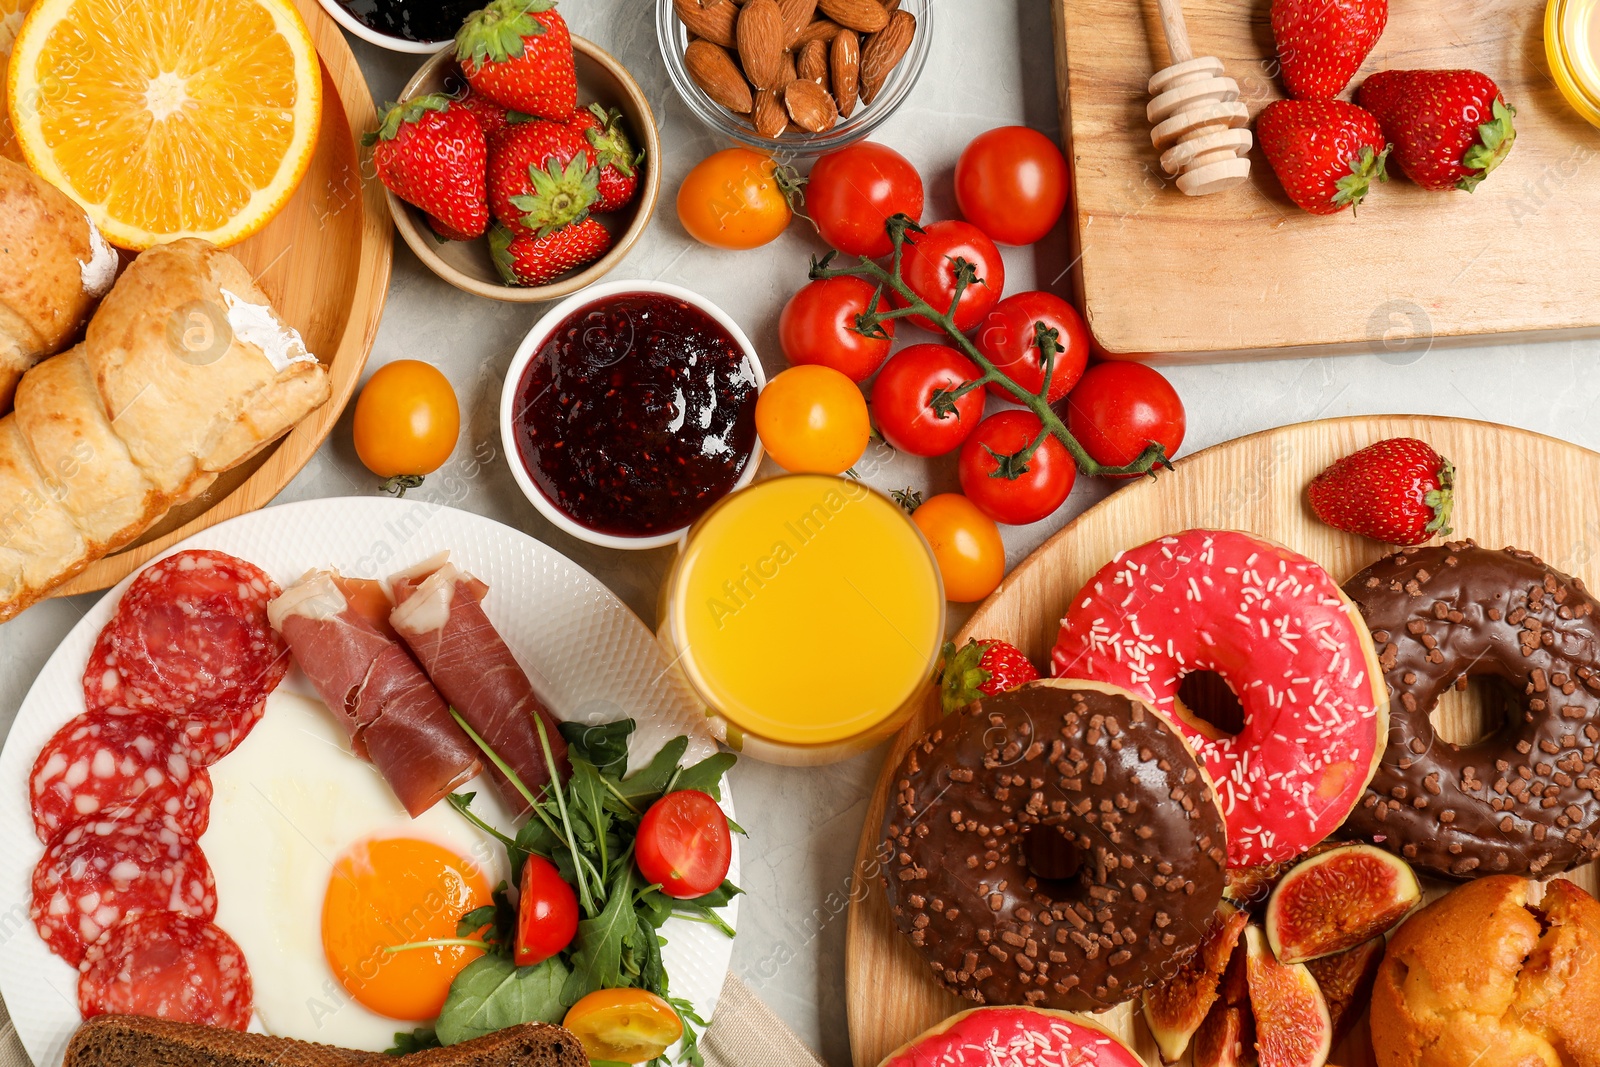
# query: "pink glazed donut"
{"points": [[1288, 642], [1014, 1037]]}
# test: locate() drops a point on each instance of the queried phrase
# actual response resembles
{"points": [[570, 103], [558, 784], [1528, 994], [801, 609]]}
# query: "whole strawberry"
{"points": [[541, 177], [1449, 128], [529, 259], [1322, 43], [981, 668], [614, 154], [1325, 152], [495, 119], [518, 53], [446, 233], [1397, 491], [430, 153]]}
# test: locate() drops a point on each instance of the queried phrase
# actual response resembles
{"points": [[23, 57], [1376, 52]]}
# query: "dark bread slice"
{"points": [[137, 1041]]}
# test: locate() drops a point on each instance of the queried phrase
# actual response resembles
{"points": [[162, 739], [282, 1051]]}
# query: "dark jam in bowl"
{"points": [[636, 415], [413, 20]]}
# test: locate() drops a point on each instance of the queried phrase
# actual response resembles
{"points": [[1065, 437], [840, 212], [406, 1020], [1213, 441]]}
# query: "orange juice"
{"points": [[806, 611], [1572, 45]]}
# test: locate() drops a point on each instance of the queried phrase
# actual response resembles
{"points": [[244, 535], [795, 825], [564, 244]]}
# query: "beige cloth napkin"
{"points": [[743, 1033]]}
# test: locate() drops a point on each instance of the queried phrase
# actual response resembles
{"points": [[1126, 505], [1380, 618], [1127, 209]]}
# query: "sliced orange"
{"points": [[167, 118], [11, 13]]}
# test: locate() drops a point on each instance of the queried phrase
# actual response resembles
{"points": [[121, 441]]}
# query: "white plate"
{"points": [[589, 658]]}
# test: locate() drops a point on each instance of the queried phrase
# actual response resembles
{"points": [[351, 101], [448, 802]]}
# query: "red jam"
{"points": [[636, 415]]}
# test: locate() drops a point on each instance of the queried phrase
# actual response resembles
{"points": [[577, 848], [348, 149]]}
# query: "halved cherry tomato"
{"points": [[684, 844], [813, 420], [1009, 338], [547, 913], [929, 270], [734, 199], [851, 193], [624, 1025], [1012, 184], [902, 393], [1037, 485], [407, 420], [966, 543], [1119, 408], [818, 325]]}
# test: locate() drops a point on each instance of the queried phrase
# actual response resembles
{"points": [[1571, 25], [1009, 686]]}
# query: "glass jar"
{"points": [[1572, 43]]}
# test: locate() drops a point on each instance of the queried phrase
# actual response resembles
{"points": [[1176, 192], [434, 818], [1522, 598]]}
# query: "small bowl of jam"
{"points": [[416, 26], [629, 411]]}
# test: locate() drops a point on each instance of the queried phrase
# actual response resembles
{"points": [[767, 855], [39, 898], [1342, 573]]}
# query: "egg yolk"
{"points": [[399, 891]]}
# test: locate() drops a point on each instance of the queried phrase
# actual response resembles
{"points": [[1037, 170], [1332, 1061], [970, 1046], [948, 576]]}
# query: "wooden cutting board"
{"points": [[1246, 274], [1514, 488]]}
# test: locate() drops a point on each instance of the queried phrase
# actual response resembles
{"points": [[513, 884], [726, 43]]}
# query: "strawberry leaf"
{"points": [[1353, 187], [1494, 144], [397, 115], [494, 34], [961, 679], [561, 195]]}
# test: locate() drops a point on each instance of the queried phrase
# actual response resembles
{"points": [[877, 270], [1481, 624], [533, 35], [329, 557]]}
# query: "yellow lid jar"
{"points": [[1572, 43]]}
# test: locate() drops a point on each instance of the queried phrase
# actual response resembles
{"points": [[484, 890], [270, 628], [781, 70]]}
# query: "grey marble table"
{"points": [[992, 64]]}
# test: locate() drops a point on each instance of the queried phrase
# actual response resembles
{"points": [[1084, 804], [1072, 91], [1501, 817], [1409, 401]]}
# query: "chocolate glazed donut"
{"points": [[1526, 799], [1057, 846]]}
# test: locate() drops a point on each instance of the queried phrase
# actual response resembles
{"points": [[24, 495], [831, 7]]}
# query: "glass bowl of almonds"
{"points": [[794, 77]]}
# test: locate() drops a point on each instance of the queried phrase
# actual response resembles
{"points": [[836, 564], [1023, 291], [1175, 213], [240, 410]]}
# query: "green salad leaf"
{"points": [[492, 993]]}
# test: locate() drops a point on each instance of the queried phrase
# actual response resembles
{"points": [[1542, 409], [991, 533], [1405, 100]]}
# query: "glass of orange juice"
{"points": [[807, 612]]}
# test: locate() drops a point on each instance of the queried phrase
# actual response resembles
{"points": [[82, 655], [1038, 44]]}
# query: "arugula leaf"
{"points": [[654, 906], [689, 1050], [598, 948], [603, 744], [500, 917], [719, 896], [706, 775], [591, 819], [492, 993], [646, 786], [417, 1040], [462, 802]]}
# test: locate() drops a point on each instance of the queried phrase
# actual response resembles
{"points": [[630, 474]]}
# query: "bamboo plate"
{"points": [[324, 263], [1513, 488]]}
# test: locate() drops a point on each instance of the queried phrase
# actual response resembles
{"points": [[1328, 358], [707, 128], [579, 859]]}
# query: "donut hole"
{"points": [[1473, 710], [1207, 696], [1049, 856]]}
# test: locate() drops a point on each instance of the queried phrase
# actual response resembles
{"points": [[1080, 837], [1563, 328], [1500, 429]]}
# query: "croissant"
{"points": [[184, 372], [54, 266]]}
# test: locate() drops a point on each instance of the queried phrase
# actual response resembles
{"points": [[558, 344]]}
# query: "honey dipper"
{"points": [[1199, 121]]}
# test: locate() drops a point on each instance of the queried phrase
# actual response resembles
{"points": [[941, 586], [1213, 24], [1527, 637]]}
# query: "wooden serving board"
{"points": [[1245, 274], [1512, 489], [324, 262]]}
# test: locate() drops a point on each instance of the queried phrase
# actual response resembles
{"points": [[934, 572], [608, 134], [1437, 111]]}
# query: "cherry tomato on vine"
{"points": [[929, 270], [684, 844], [1119, 408], [406, 421], [1012, 184], [851, 193], [813, 420], [818, 326], [1010, 489], [966, 542], [735, 199], [623, 1025], [1008, 339], [547, 913], [902, 400]]}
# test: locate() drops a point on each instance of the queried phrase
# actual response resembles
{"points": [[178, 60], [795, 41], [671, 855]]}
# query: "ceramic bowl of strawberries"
{"points": [[521, 162]]}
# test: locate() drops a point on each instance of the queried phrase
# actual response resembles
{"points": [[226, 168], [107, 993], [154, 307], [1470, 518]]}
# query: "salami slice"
{"points": [[103, 685], [97, 873], [131, 768], [169, 966]]}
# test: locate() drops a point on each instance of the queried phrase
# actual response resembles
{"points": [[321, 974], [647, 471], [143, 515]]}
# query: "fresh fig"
{"points": [[1346, 981], [1249, 887], [1223, 1038], [1174, 1009], [1336, 900], [1292, 1024]]}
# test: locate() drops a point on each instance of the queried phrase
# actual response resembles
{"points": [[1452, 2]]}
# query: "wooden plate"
{"points": [[324, 263], [1513, 488]]}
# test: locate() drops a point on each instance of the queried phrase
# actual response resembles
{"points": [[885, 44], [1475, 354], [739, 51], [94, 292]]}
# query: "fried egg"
{"points": [[320, 870]]}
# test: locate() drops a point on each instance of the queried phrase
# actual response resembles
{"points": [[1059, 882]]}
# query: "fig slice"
{"points": [[1174, 1009], [1223, 1038], [1293, 1028], [1338, 899]]}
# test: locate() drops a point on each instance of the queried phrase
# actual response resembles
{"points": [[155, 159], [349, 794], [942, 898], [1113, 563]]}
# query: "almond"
{"points": [[761, 38], [810, 106], [819, 30], [844, 61], [863, 16], [812, 63], [797, 15], [769, 117], [710, 19], [713, 69], [891, 6], [883, 51]]}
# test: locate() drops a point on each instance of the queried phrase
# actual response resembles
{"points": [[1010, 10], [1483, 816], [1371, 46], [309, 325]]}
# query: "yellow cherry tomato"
{"points": [[624, 1025], [966, 542], [406, 421], [813, 420], [734, 199]]}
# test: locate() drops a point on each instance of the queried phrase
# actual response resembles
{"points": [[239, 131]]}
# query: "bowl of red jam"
{"points": [[416, 26], [629, 410]]}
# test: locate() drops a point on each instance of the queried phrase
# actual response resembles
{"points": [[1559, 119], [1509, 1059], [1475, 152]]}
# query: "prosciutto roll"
{"points": [[395, 718], [439, 614]]}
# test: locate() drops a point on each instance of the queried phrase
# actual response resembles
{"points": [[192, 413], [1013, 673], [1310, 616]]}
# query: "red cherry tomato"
{"points": [[929, 270], [818, 326], [547, 913], [1042, 482], [1012, 184], [852, 192], [1008, 338], [901, 400], [684, 844], [1119, 408]]}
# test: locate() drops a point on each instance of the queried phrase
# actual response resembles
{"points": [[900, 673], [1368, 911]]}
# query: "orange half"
{"points": [[11, 15]]}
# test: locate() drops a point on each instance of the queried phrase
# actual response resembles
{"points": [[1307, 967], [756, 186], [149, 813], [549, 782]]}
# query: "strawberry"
{"points": [[445, 232], [614, 154], [1325, 152], [1322, 43], [1397, 491], [529, 259], [496, 119], [1449, 128], [981, 668], [431, 153], [518, 53], [541, 177]]}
